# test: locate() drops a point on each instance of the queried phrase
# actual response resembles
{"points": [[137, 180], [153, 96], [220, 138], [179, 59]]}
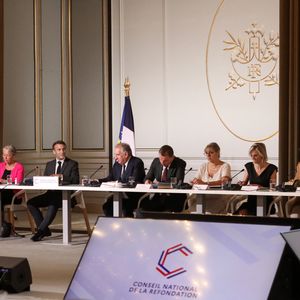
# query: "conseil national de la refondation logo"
{"points": [[169, 272]]}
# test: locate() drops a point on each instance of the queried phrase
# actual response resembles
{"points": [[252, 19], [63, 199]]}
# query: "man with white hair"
{"points": [[126, 165]]}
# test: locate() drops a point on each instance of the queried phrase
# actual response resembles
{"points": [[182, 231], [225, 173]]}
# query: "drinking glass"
{"points": [[84, 180], [9, 179], [131, 180], [173, 181], [226, 184], [272, 185]]}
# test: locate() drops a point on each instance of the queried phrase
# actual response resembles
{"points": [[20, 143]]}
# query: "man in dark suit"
{"points": [[126, 165], [162, 169], [67, 170]]}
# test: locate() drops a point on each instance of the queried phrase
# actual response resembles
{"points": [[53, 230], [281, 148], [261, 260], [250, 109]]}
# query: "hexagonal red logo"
{"points": [[167, 272]]}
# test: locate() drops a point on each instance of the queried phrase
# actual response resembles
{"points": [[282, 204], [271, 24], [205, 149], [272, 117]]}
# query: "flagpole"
{"points": [[126, 134], [127, 87]]}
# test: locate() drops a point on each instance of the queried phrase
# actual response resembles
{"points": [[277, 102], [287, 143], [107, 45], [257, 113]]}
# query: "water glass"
{"points": [[272, 185], [173, 181], [85, 180], [226, 184], [131, 180], [9, 179]]}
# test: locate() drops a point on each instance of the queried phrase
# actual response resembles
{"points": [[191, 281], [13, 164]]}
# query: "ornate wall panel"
{"points": [[51, 72], [87, 74], [19, 118]]}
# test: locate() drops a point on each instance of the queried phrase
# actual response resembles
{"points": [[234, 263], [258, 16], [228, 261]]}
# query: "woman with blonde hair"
{"points": [[258, 172], [214, 172]]}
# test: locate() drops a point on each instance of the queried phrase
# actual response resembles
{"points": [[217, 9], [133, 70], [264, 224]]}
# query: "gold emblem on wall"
{"points": [[254, 59]]}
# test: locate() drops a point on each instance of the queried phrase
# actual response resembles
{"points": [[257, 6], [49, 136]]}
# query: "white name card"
{"points": [[200, 186], [141, 187], [46, 181], [249, 188]]}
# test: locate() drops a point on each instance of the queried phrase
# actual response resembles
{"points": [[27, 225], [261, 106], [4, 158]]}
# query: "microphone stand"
{"points": [[28, 181], [239, 172], [232, 187], [29, 172], [96, 171], [94, 182], [182, 185], [188, 171]]}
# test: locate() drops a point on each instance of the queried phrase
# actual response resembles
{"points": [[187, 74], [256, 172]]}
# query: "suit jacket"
{"points": [[135, 168], [176, 169], [69, 170]]}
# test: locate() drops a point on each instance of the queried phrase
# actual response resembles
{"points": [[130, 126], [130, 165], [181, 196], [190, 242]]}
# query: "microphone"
{"points": [[239, 172], [233, 187], [29, 181], [93, 182], [29, 172], [96, 171], [183, 185], [188, 171]]}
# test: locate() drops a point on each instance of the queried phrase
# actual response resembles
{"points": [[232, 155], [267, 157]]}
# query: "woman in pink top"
{"points": [[9, 167]]}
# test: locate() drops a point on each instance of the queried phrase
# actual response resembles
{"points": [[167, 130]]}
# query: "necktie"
{"points": [[123, 174], [58, 170], [164, 175]]}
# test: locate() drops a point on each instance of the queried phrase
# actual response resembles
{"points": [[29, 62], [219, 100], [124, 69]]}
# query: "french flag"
{"points": [[126, 134]]}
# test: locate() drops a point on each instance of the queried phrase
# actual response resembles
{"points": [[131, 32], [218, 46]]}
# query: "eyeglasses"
{"points": [[209, 152]]}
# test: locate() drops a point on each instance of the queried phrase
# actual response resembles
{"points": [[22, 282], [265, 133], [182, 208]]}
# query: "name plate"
{"points": [[200, 186], [249, 188], [141, 187], [46, 181]]}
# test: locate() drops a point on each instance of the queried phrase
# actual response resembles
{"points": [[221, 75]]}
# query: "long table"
{"points": [[118, 191]]}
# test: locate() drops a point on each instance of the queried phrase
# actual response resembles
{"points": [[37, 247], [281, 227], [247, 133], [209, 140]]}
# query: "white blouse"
{"points": [[224, 171]]}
